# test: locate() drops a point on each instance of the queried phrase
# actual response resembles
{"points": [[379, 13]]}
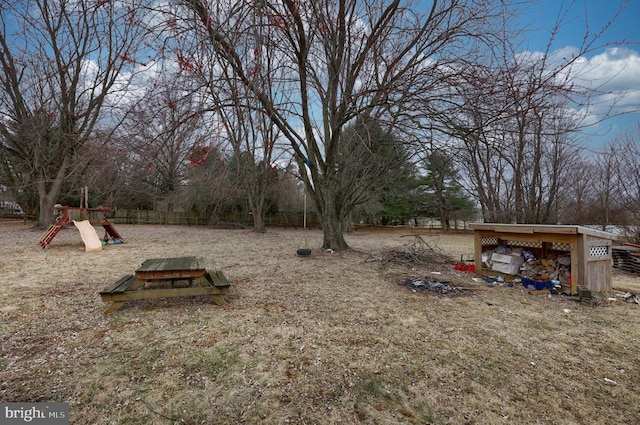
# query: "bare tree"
{"points": [[604, 185], [161, 132], [60, 62], [210, 188], [475, 122], [113, 175], [575, 202], [514, 114], [251, 141], [627, 180], [344, 58], [251, 135]]}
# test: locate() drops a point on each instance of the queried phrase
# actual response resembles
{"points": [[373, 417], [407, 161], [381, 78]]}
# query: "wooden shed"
{"points": [[589, 250]]}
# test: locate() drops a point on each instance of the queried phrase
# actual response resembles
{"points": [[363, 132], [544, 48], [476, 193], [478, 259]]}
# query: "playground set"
{"points": [[73, 216]]}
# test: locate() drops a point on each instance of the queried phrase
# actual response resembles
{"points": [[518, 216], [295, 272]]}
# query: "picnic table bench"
{"points": [[159, 277]]}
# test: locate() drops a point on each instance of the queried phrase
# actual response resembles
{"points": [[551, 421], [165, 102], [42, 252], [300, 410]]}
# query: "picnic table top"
{"points": [[170, 268], [179, 263]]}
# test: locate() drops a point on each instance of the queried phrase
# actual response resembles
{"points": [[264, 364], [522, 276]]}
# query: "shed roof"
{"points": [[543, 228]]}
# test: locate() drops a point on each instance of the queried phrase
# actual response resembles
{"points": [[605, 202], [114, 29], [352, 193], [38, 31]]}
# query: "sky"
{"points": [[613, 68]]}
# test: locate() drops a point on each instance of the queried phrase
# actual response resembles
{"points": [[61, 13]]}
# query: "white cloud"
{"points": [[612, 79], [616, 69], [614, 76]]}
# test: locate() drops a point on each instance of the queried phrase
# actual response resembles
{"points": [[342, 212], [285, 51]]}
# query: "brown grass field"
{"points": [[324, 339]]}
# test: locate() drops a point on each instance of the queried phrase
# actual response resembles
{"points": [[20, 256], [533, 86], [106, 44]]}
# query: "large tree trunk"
{"points": [[332, 223], [257, 211], [444, 214], [45, 216], [48, 194]]}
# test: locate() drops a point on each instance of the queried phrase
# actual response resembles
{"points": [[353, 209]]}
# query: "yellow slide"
{"points": [[92, 242]]}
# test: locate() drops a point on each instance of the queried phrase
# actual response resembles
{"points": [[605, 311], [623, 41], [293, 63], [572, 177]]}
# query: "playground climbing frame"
{"points": [[66, 215]]}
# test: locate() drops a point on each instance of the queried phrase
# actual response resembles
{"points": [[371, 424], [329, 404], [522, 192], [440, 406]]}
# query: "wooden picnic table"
{"points": [[159, 277]]}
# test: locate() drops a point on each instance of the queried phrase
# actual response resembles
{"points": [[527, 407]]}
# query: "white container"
{"points": [[506, 263]]}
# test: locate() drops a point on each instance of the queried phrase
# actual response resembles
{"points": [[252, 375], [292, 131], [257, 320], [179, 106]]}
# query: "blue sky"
{"points": [[614, 68]]}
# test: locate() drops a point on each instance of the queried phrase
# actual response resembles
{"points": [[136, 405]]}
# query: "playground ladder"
{"points": [[108, 227], [50, 233]]}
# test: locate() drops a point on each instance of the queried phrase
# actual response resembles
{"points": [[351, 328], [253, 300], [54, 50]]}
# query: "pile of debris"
{"points": [[629, 297], [519, 265], [417, 252], [555, 268], [429, 284]]}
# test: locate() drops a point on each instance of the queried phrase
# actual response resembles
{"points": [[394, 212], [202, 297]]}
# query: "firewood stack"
{"points": [[553, 267]]}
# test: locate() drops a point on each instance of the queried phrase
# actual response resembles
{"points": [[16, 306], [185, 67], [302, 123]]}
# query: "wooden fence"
{"points": [[120, 216], [289, 219], [280, 219]]}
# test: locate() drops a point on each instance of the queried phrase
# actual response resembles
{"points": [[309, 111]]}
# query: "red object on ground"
{"points": [[465, 267]]}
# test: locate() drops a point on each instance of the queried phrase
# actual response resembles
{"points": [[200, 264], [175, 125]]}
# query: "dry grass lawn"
{"points": [[326, 339]]}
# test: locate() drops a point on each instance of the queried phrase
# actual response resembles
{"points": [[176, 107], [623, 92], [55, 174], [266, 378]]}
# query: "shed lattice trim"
{"points": [[525, 244], [489, 241], [598, 251]]}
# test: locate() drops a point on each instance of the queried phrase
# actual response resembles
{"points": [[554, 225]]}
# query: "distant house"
{"points": [[8, 207]]}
